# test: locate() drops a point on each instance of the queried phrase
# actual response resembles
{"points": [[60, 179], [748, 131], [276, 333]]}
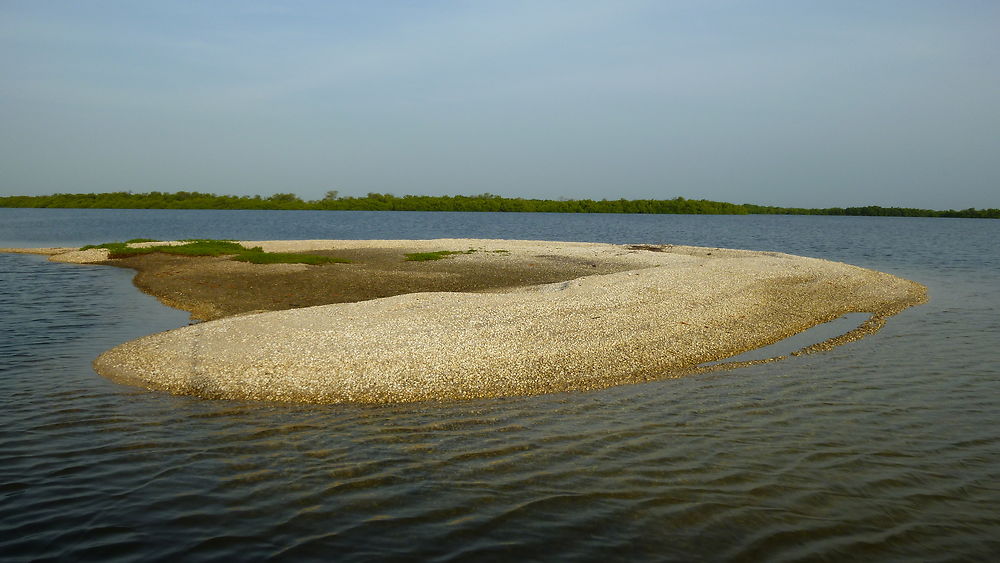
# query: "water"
{"points": [[884, 449]]}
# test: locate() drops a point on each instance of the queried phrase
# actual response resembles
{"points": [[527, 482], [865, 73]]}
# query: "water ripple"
{"points": [[883, 449]]}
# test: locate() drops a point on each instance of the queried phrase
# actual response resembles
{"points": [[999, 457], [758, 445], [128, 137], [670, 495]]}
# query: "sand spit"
{"points": [[660, 312]]}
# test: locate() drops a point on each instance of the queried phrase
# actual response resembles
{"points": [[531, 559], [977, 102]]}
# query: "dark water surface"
{"points": [[883, 449]]}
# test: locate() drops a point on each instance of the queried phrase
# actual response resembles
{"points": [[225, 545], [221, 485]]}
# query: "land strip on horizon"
{"points": [[482, 202]]}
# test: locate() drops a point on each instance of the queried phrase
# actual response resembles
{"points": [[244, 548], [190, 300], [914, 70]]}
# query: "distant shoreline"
{"points": [[482, 202]]}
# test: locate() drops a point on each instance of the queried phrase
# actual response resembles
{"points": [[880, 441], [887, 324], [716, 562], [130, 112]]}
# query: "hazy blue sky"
{"points": [[795, 103]]}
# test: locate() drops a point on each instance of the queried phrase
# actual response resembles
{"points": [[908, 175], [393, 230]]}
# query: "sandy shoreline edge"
{"points": [[653, 312]]}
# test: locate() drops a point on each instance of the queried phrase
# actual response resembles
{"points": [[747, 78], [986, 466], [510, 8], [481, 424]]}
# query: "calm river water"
{"points": [[883, 449]]}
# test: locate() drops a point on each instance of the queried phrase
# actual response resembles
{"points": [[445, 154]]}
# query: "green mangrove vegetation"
{"points": [[210, 247], [482, 202]]}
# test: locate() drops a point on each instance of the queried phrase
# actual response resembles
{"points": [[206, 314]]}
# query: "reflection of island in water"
{"points": [[491, 318]]}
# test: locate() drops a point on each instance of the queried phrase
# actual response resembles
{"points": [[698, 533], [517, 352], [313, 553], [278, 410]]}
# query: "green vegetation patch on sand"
{"points": [[257, 256], [436, 255], [210, 247]]}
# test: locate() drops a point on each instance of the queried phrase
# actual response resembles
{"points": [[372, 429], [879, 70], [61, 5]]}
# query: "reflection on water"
{"points": [[885, 448]]}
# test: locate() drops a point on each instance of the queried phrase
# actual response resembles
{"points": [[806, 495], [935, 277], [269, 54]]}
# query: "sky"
{"points": [[789, 103]]}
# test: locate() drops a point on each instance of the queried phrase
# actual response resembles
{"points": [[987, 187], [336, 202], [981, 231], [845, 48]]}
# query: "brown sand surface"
{"points": [[512, 318], [211, 288]]}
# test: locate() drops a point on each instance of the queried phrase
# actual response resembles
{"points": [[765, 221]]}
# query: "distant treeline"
{"points": [[482, 202]]}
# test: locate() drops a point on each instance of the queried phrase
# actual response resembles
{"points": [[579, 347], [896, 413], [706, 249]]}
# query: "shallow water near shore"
{"points": [[886, 448]]}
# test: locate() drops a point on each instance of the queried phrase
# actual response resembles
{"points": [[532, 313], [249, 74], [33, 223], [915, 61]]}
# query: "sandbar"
{"points": [[511, 318]]}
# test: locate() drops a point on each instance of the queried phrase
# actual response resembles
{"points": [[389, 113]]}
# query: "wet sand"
{"points": [[512, 318]]}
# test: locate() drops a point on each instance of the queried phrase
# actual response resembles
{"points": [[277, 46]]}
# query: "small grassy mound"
{"points": [[210, 247], [436, 255]]}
